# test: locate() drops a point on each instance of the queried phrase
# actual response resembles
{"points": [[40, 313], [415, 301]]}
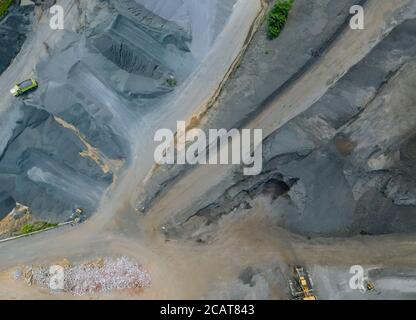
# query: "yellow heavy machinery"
{"points": [[369, 286], [301, 286], [77, 215]]}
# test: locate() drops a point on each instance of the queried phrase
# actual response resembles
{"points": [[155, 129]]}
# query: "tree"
{"points": [[277, 17]]}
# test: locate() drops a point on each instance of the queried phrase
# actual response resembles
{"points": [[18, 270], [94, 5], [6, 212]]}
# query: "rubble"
{"points": [[99, 276]]}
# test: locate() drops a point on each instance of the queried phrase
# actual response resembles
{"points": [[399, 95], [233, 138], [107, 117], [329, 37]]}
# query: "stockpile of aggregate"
{"points": [[101, 276]]}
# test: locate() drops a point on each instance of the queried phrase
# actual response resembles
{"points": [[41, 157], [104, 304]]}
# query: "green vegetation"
{"points": [[36, 226], [4, 6], [171, 82], [277, 17]]}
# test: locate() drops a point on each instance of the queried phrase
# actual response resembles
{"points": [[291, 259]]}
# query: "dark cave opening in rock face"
{"points": [[276, 188]]}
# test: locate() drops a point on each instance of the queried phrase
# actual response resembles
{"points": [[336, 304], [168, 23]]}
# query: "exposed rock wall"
{"points": [[347, 160]]}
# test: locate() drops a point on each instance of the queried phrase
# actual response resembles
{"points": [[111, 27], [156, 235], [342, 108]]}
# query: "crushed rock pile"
{"points": [[101, 276]]}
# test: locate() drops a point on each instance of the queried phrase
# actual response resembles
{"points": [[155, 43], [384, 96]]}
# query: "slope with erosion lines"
{"points": [[256, 78], [318, 177], [89, 98], [156, 25], [203, 20]]}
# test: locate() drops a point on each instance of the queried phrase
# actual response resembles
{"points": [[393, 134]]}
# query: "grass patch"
{"points": [[4, 6], [36, 226], [276, 18]]}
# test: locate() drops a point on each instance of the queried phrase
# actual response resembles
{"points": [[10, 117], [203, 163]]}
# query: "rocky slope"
{"points": [[65, 144], [14, 28], [342, 167]]}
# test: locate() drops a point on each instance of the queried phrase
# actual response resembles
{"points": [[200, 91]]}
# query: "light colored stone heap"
{"points": [[100, 276]]}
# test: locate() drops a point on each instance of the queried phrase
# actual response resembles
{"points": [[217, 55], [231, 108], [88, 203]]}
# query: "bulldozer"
{"points": [[301, 286]]}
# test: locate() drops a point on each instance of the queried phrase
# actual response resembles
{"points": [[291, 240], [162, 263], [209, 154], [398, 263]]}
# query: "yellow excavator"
{"points": [[301, 285], [77, 215]]}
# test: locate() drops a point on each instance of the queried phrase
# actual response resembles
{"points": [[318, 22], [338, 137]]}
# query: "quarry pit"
{"points": [[337, 110]]}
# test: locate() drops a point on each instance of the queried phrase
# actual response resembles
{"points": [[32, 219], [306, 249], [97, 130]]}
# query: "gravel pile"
{"points": [[104, 275]]}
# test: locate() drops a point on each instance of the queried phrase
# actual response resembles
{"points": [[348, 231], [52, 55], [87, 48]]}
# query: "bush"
{"points": [[171, 82], [4, 6], [277, 17], [36, 226]]}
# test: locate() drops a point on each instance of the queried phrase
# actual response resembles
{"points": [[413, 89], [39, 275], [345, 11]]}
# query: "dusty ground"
{"points": [[248, 240]]}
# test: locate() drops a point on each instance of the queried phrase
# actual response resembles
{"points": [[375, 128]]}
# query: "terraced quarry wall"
{"points": [[330, 170]]}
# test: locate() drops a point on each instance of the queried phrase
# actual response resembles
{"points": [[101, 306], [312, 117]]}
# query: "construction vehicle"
{"points": [[369, 285], [301, 286], [24, 87], [77, 215]]}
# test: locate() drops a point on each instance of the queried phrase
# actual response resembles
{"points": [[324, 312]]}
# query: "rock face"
{"points": [[348, 160]]}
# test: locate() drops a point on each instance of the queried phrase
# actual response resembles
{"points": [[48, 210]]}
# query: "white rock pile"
{"points": [[106, 275]]}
